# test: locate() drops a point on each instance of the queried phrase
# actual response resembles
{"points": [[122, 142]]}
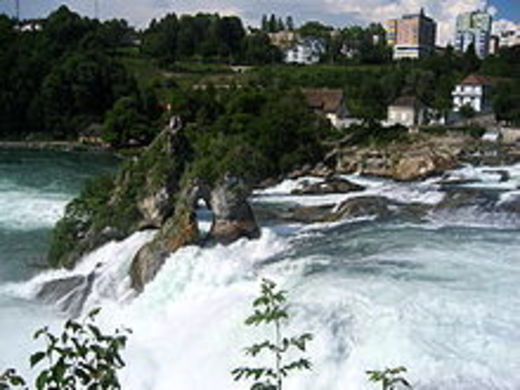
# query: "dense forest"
{"points": [[75, 74]]}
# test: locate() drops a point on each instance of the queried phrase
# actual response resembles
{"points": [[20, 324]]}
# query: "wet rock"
{"points": [[233, 218], [333, 185], [460, 198], [322, 170], [310, 214], [180, 230], [421, 165], [304, 171], [69, 294], [365, 206]]}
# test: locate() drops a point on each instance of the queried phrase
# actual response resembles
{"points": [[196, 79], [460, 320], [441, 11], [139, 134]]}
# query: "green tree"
{"points": [[470, 61], [270, 309], [272, 25], [289, 23], [125, 124], [264, 24], [467, 111], [258, 50]]}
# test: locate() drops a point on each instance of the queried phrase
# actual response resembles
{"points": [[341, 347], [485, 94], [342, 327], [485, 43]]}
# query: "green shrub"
{"points": [[80, 357], [78, 218]]}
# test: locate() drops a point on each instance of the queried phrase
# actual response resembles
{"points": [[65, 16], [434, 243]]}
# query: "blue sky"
{"points": [[336, 12]]}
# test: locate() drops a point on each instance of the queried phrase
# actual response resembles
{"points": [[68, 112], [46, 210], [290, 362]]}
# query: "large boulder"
{"points": [[421, 164], [232, 215]]}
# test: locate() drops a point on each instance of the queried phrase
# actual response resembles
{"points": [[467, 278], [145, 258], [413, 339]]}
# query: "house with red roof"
{"points": [[475, 92]]}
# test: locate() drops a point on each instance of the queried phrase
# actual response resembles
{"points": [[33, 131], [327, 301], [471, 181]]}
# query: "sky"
{"points": [[339, 13]]}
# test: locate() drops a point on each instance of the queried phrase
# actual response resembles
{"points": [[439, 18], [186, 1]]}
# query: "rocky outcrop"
{"points": [[141, 196], [423, 157], [232, 215], [331, 185], [232, 219], [421, 164]]}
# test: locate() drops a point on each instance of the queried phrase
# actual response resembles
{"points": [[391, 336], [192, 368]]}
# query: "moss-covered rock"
{"points": [[142, 195]]}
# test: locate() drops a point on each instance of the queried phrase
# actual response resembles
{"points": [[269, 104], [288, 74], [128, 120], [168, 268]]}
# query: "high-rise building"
{"points": [[412, 36], [474, 28]]}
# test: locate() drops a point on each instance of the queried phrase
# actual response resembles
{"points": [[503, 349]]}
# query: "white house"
{"points": [[473, 91], [307, 51], [407, 111]]}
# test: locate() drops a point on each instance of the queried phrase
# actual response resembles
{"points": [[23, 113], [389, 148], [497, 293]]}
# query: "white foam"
{"points": [[27, 210], [111, 264], [490, 177], [427, 192]]}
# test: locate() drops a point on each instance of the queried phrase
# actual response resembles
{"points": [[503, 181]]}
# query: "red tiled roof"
{"points": [[328, 100], [475, 79]]}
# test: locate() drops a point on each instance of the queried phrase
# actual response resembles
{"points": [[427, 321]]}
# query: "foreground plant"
{"points": [[270, 309], [390, 378], [81, 357]]}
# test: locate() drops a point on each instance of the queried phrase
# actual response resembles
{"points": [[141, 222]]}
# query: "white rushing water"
{"points": [[439, 298]]}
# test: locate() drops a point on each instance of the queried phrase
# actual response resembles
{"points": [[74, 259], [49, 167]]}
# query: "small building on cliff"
{"points": [[408, 111], [329, 103]]}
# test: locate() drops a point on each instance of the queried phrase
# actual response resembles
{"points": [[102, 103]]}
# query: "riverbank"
{"points": [[52, 145]]}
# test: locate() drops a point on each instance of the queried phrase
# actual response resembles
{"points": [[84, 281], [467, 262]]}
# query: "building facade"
{"points": [[473, 91], [407, 111], [412, 36]]}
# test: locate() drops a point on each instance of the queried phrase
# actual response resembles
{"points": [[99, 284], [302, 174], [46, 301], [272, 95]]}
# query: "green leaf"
{"points": [[41, 380], [36, 358]]}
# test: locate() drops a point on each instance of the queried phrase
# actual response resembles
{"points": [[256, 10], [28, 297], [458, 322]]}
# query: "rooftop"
{"points": [[475, 79], [406, 101], [328, 100]]}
